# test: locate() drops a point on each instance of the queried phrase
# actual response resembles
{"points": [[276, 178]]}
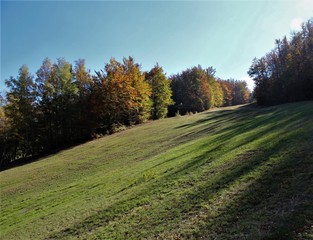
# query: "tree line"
{"points": [[285, 74], [64, 104], [196, 89]]}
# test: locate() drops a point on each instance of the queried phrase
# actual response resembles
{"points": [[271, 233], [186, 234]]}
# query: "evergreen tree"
{"points": [[20, 112]]}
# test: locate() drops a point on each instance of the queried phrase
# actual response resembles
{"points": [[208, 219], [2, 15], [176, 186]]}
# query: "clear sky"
{"points": [[224, 34]]}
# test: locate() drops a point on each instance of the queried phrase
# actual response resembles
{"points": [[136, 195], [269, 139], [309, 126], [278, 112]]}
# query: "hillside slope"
{"points": [[232, 173]]}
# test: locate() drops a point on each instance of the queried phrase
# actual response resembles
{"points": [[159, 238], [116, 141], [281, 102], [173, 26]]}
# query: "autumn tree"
{"points": [[123, 95], [218, 96], [140, 92], [227, 90]]}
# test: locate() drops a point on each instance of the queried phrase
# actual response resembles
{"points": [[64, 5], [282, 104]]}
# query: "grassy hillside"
{"points": [[232, 173]]}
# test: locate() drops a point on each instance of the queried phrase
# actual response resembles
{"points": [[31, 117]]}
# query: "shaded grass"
{"points": [[238, 173]]}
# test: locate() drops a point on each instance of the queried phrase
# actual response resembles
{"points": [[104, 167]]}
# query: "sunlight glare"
{"points": [[296, 24]]}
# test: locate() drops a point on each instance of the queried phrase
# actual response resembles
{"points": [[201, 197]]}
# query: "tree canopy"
{"points": [[64, 104], [285, 74]]}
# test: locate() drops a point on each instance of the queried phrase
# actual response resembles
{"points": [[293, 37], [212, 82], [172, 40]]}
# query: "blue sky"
{"points": [[224, 34]]}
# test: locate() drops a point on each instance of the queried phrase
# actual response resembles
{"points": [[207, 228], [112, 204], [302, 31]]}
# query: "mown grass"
{"points": [[233, 173]]}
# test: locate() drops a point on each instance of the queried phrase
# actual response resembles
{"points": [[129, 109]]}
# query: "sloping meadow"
{"points": [[231, 173]]}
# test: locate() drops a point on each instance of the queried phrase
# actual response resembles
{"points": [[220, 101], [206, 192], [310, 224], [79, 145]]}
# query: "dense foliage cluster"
{"points": [[196, 89], [286, 73], [64, 105]]}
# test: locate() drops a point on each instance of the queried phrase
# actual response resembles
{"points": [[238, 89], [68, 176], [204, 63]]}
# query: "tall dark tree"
{"points": [[45, 97], [84, 118], [307, 52], [20, 112], [8, 142]]}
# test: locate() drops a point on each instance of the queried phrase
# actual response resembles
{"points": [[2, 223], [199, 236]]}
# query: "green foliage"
{"points": [[161, 92], [57, 97], [233, 173], [285, 74], [192, 91]]}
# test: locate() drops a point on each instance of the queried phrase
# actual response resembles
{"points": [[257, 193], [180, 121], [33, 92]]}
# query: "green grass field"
{"points": [[232, 173]]}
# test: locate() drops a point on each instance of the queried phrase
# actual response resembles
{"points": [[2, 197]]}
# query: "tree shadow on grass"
{"points": [[121, 208], [171, 209], [278, 196], [278, 205], [31, 159], [281, 198], [237, 123]]}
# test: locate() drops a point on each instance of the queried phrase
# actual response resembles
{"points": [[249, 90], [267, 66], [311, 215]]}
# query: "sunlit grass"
{"points": [[234, 173]]}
